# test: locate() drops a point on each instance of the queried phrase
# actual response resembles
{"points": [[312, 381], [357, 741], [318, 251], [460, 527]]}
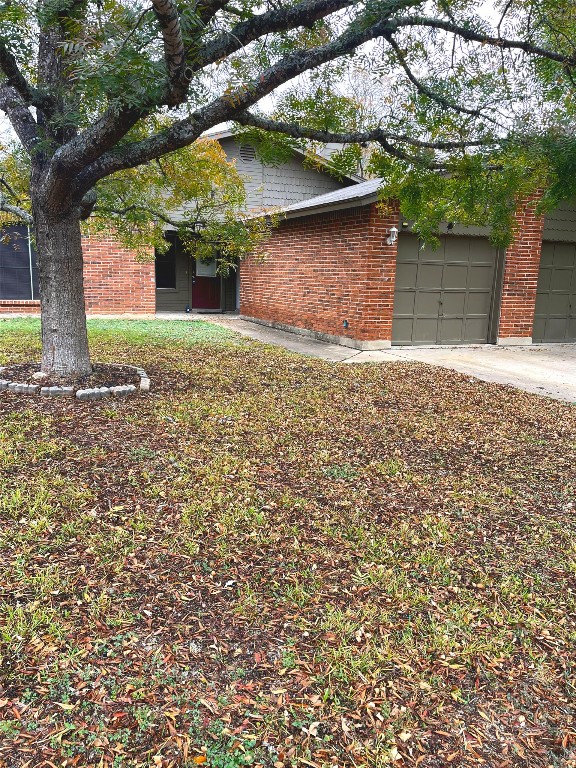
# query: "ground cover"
{"points": [[272, 560]]}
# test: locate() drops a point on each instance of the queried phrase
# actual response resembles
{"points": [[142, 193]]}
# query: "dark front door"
{"points": [[206, 286]]}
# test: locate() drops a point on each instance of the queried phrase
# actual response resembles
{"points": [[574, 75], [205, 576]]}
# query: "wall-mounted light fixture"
{"points": [[345, 324], [393, 236]]}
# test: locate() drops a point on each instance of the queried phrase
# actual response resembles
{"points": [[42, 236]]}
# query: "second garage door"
{"points": [[444, 296], [555, 315]]}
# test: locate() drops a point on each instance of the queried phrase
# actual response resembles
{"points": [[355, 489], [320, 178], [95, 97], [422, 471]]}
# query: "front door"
{"points": [[206, 286]]}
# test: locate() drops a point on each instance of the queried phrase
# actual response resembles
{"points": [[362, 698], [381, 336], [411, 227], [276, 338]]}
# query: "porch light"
{"points": [[393, 236]]}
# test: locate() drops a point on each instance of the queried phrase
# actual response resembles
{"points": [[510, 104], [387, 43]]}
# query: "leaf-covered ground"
{"points": [[275, 561]]}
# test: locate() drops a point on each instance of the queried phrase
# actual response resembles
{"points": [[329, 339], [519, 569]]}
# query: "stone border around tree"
{"points": [[94, 393]]}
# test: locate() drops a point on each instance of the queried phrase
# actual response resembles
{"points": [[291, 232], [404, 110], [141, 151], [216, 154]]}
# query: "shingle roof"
{"points": [[363, 193]]}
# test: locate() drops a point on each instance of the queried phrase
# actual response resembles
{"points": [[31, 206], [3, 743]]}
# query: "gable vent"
{"points": [[247, 153]]}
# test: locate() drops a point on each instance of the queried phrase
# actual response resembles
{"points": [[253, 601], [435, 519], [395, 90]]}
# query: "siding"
{"points": [[175, 300], [560, 224], [290, 182]]}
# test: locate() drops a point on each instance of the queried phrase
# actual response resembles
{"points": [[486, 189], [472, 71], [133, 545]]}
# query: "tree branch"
{"points": [[302, 14], [178, 74], [428, 92], [351, 137], [15, 210], [226, 107], [12, 104], [14, 78], [480, 37]]}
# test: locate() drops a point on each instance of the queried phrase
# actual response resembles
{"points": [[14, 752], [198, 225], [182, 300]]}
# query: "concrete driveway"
{"points": [[544, 369]]}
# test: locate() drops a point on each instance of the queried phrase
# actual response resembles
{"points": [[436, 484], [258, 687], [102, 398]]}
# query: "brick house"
{"points": [[334, 271], [337, 270], [115, 282]]}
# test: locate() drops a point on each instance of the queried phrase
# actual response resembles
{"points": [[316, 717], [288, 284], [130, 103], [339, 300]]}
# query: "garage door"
{"points": [[443, 296], [555, 316]]}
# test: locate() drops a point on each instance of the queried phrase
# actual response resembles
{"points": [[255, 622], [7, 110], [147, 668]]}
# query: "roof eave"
{"points": [[356, 202]]}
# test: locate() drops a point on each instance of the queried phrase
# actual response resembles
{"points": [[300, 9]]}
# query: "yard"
{"points": [[276, 561]]}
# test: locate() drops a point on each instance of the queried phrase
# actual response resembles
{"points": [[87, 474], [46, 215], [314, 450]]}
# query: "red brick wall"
{"points": [[114, 281], [521, 267], [19, 307], [323, 269]]}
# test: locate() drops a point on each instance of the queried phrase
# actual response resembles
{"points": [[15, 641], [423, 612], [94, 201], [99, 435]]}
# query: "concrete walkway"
{"points": [[544, 369]]}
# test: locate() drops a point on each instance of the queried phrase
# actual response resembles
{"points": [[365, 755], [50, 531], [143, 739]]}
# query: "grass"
{"points": [[276, 561]]}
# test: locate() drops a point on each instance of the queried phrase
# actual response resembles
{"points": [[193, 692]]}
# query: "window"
{"points": [[18, 267], [166, 268]]}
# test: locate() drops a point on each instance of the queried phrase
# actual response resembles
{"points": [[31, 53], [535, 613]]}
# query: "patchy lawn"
{"points": [[277, 561]]}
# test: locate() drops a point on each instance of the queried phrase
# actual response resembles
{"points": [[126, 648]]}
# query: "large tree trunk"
{"points": [[60, 264]]}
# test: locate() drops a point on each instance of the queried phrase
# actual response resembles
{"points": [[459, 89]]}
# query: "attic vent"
{"points": [[247, 153]]}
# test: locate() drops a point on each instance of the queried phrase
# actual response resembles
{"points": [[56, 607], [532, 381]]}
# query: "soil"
{"points": [[101, 376]]}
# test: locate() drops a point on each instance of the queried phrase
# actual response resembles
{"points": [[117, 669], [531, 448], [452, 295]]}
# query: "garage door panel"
{"points": [[539, 330], [547, 255], [559, 304], [475, 330], [479, 303], [452, 291], [480, 252], [555, 295], [425, 330], [481, 277], [455, 276], [451, 330], [453, 303], [402, 330], [430, 275], [431, 255], [404, 303], [542, 304], [563, 255], [456, 249], [561, 280], [427, 303], [544, 278], [556, 328], [406, 275]]}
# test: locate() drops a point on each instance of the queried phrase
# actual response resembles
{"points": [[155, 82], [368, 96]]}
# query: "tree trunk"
{"points": [[60, 265]]}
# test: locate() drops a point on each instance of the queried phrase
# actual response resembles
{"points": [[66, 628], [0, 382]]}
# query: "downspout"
{"points": [[30, 266]]}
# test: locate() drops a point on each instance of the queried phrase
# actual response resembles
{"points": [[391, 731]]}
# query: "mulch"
{"points": [[102, 376]]}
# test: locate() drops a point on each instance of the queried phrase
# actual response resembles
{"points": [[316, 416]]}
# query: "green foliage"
{"points": [[195, 190]]}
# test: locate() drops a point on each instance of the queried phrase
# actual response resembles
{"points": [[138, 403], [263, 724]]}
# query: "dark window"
{"points": [[166, 268], [18, 277]]}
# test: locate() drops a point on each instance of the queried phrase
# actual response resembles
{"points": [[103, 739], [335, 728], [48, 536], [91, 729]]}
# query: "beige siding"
{"points": [[271, 186], [175, 300]]}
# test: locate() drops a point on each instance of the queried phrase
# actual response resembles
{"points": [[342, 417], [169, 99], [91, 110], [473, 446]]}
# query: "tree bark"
{"points": [[60, 266]]}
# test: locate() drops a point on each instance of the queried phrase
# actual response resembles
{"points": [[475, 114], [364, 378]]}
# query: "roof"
{"points": [[360, 194], [322, 158]]}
